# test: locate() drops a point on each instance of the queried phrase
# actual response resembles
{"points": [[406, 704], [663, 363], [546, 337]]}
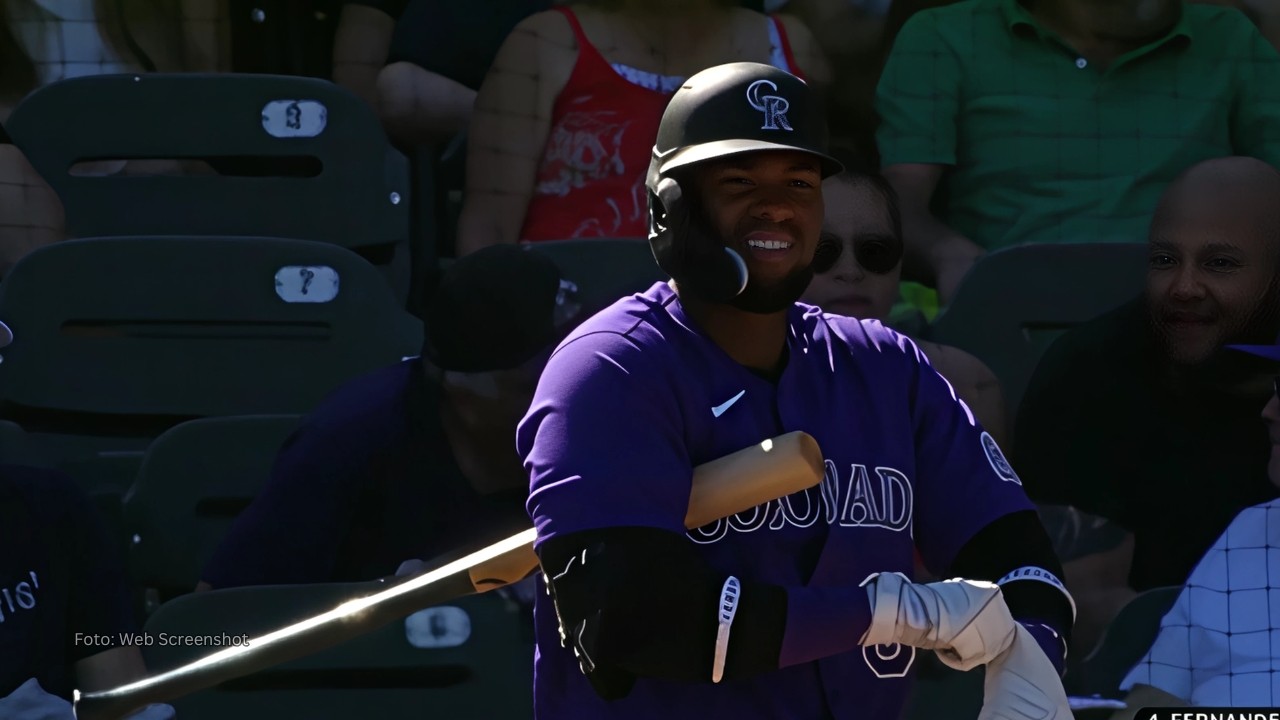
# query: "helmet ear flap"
{"points": [[686, 248]]}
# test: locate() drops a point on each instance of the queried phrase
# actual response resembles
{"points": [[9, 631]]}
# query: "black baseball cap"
{"points": [[496, 309]]}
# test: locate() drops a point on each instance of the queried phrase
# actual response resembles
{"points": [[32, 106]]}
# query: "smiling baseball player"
{"points": [[802, 608]]}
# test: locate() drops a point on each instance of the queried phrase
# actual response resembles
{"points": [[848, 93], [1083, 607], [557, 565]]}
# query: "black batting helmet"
{"points": [[725, 110]]}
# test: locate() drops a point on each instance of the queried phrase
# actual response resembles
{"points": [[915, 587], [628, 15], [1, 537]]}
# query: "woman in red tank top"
{"points": [[566, 119]]}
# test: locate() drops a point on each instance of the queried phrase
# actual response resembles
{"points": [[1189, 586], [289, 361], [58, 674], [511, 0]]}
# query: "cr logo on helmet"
{"points": [[774, 107]]}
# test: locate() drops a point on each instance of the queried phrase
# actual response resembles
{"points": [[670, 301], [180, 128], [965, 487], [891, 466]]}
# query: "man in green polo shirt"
{"points": [[1048, 121]]}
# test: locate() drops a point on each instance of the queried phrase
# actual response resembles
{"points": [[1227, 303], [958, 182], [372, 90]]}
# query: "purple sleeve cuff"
{"points": [[1049, 640], [822, 622]]}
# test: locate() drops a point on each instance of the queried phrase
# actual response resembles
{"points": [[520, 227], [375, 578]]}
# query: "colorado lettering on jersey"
{"points": [[879, 497]]}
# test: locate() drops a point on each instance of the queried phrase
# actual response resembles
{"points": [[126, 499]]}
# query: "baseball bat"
{"points": [[728, 485]]}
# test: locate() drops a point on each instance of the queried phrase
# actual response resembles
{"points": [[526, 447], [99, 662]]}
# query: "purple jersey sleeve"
{"points": [[964, 481], [603, 440], [605, 446]]}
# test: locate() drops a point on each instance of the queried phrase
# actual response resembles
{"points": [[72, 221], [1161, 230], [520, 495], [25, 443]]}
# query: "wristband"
{"points": [[729, 596], [1039, 574]]}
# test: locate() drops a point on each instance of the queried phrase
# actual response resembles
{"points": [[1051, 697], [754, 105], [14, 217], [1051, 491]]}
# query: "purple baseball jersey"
{"points": [[637, 397]]}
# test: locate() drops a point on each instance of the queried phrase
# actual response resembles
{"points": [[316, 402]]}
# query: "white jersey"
{"points": [[1220, 644]]}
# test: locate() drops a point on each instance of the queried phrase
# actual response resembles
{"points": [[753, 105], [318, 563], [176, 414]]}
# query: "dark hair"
{"points": [[858, 172]]}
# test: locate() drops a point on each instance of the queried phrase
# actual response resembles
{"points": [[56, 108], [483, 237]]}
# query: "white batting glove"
{"points": [[965, 621], [1023, 684]]}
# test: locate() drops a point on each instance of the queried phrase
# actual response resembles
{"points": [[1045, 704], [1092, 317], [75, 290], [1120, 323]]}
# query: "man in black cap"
{"points": [[417, 459]]}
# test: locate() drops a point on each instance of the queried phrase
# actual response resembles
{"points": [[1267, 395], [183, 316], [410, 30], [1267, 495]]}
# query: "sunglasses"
{"points": [[877, 254]]}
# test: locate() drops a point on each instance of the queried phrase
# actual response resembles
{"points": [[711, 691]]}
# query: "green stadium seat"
{"points": [[171, 329], [194, 481], [407, 669], [350, 191], [1127, 638], [1016, 301], [604, 270]]}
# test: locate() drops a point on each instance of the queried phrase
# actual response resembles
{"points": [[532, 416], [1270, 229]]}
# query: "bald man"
{"points": [[1140, 416]]}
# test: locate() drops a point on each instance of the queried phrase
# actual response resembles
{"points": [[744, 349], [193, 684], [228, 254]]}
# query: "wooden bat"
{"points": [[726, 486]]}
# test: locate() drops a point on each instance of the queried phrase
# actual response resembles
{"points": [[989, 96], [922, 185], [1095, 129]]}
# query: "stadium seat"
{"points": [[101, 472], [604, 269], [295, 157], [350, 191], [170, 329], [194, 480], [1016, 301], [1126, 639], [13, 444], [414, 668]]}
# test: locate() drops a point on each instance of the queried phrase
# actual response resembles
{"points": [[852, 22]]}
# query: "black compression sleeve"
{"points": [[647, 603], [1011, 542]]}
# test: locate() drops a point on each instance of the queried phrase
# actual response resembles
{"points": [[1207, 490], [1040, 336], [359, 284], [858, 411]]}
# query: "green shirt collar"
{"points": [[1016, 15]]}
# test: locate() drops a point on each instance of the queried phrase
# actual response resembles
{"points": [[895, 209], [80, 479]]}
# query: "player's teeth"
{"points": [[769, 244]]}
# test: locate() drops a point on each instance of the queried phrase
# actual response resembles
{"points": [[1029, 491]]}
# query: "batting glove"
{"points": [[1023, 684], [965, 621]]}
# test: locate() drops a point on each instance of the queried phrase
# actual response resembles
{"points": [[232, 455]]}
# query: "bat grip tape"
{"points": [[730, 593]]}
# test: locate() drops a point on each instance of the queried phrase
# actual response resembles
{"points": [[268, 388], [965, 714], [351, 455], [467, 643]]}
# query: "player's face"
{"points": [[1212, 281], [1271, 416], [855, 213], [768, 207]]}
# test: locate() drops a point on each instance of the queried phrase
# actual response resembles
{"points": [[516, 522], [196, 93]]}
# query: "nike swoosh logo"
{"points": [[718, 410]]}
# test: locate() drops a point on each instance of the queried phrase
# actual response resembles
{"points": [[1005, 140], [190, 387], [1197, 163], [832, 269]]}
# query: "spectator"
{"points": [[436, 54], [1138, 416], [1215, 646], [43, 41], [567, 117], [1061, 120], [850, 33], [362, 43], [857, 266], [1264, 13], [437, 59], [417, 459], [31, 214], [64, 597]]}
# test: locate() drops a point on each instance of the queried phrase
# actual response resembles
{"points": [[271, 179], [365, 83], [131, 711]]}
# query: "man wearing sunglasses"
{"points": [[417, 459], [1215, 647]]}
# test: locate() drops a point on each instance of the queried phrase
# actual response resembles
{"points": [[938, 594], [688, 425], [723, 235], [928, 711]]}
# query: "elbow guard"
{"points": [[641, 602], [1015, 552]]}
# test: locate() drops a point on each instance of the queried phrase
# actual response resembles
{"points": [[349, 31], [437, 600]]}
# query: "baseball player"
{"points": [[802, 608]]}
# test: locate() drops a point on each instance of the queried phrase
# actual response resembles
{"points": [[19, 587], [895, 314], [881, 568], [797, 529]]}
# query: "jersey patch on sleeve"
{"points": [[997, 460]]}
